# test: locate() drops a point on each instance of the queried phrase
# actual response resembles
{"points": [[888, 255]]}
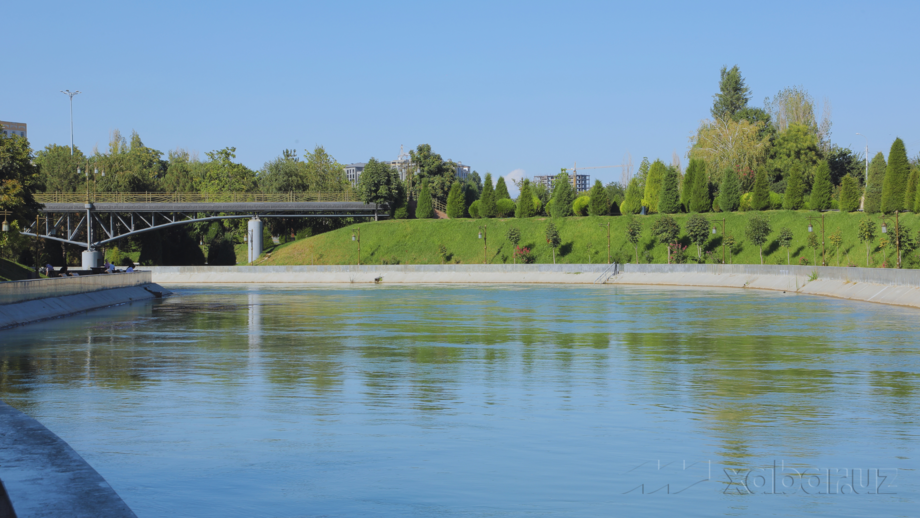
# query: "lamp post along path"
{"points": [[823, 247], [356, 236], [485, 244], [70, 94]]}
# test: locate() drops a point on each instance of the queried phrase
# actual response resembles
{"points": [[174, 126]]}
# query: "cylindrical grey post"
{"points": [[255, 239]]}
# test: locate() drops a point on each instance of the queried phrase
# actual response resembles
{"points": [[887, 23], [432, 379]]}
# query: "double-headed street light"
{"points": [[71, 94]]}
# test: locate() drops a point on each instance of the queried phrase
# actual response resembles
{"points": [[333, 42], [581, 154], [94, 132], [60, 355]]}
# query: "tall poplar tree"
{"points": [[821, 191], [760, 200], [563, 196], [525, 208], [424, 208], [910, 195], [669, 197], [686, 188], [653, 185], [455, 202], [487, 199], [896, 176], [849, 194], [873, 202], [729, 191], [632, 204]]}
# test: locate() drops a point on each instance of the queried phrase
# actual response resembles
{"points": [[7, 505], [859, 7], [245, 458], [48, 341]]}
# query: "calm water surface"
{"points": [[473, 401]]}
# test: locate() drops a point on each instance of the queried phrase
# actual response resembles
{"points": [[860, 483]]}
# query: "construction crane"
{"points": [[575, 171]]}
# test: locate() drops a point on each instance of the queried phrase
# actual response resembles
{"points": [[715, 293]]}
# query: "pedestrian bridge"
{"points": [[78, 218]]}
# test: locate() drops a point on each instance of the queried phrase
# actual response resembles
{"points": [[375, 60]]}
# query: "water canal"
{"points": [[473, 401]]}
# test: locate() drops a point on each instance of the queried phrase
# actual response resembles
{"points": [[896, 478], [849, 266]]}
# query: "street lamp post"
{"points": [[608, 240], [897, 235], [356, 236], [723, 237], [485, 244], [70, 94], [867, 157], [823, 247]]}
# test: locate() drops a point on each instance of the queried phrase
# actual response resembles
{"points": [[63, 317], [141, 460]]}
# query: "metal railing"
{"points": [[197, 197], [439, 205]]}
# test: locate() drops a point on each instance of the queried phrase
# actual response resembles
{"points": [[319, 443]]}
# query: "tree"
{"points": [[666, 231], [730, 245], [563, 196], [698, 230], [910, 194], [424, 208], [813, 243], [795, 106], [758, 230], [700, 201], [633, 202], [504, 208], [430, 166], [600, 203], [873, 200], [733, 94], [514, 236], [836, 239], [501, 189], [222, 174], [794, 149], [633, 233], [844, 162], [642, 173], [525, 205], [552, 238], [379, 183], [455, 206], [729, 191], [849, 194], [653, 185], [896, 177], [821, 192], [686, 187], [58, 168], [487, 199], [19, 179], [182, 172], [761, 197], [724, 143], [323, 172], [794, 197], [785, 241], [669, 197], [866, 233]]}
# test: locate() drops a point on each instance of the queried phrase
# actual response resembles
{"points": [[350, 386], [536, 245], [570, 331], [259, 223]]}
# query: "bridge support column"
{"points": [[255, 239], [90, 258]]}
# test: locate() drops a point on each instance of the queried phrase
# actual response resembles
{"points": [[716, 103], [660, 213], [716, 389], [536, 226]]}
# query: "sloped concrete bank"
{"points": [[885, 286], [44, 476], [36, 300]]}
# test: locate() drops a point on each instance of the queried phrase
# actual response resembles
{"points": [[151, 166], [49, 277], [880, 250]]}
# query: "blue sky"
{"points": [[501, 86]]}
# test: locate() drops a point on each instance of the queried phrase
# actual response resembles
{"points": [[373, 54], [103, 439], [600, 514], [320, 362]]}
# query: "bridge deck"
{"points": [[240, 207]]}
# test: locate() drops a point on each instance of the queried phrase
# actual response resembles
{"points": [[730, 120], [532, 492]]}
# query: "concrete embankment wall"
{"points": [[41, 299], [887, 286], [44, 476], [397, 274]]}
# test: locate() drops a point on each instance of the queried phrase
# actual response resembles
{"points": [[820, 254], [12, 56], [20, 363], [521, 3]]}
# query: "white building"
{"points": [[353, 172], [14, 128]]}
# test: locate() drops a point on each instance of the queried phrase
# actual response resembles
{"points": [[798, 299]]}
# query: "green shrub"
{"points": [[537, 206], [746, 202], [580, 207], [504, 208], [474, 209], [776, 200], [304, 233]]}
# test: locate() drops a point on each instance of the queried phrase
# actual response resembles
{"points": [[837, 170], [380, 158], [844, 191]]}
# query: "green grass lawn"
{"points": [[584, 240], [11, 271]]}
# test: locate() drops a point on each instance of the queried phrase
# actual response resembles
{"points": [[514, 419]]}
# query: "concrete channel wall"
{"points": [[14, 292], [44, 476]]}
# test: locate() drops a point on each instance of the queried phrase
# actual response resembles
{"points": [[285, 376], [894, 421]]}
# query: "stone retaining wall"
{"points": [[14, 292]]}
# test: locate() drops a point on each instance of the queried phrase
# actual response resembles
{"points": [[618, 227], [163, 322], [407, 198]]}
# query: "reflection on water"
{"points": [[417, 401]]}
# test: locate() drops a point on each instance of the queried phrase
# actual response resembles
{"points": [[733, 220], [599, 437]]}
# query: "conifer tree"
{"points": [[525, 208], [424, 208], [794, 198], [896, 176], [686, 188], [487, 199], [455, 202], [563, 196], [501, 190], [849, 194], [729, 191], [911, 194], [669, 196], [653, 185], [600, 203], [700, 201], [632, 204], [552, 238], [821, 191], [760, 199], [873, 202]]}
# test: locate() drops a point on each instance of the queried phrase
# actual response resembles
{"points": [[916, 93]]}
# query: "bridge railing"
{"points": [[195, 197]]}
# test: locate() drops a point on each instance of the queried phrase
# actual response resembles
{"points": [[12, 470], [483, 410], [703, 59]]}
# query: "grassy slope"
{"points": [[584, 240], [10, 271]]}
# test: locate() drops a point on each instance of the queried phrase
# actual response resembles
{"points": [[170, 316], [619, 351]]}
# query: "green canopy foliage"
{"points": [[760, 200], [424, 208], [487, 199], [849, 194], [822, 191], [653, 185], [633, 202], [729, 191], [563, 196], [700, 200], [525, 205], [501, 189], [877, 167], [600, 203], [669, 196], [455, 206], [896, 177], [733, 94]]}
